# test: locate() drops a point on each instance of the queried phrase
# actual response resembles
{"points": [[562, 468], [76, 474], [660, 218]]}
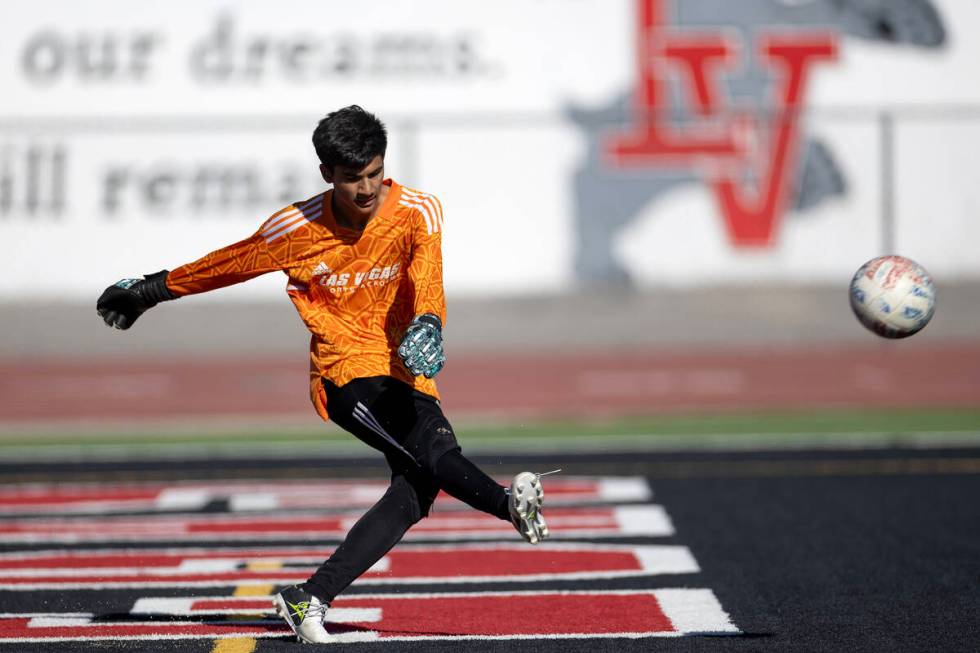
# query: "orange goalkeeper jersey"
{"points": [[357, 291]]}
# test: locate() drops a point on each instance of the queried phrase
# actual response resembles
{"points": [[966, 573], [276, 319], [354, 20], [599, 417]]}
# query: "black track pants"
{"points": [[408, 427]]}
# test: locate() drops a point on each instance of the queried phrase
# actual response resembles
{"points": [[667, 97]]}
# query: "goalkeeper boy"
{"points": [[364, 267]]}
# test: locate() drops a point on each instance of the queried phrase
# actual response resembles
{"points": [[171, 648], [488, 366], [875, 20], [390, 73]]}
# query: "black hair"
{"points": [[350, 137]]}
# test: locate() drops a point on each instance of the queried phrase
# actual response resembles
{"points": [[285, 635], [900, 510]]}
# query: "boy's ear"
{"points": [[326, 173]]}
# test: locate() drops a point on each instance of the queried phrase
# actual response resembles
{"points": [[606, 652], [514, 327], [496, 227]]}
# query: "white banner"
{"points": [[571, 141]]}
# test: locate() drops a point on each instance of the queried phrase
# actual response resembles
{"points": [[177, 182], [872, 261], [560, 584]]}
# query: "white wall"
{"points": [[475, 97]]}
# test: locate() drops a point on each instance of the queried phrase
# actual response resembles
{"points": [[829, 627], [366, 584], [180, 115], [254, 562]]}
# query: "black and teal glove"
{"points": [[124, 301], [421, 347]]}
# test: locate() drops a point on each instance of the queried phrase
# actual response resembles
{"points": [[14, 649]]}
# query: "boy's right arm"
{"points": [[123, 302]]}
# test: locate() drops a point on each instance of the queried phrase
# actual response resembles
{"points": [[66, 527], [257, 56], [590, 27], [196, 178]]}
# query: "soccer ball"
{"points": [[893, 296]]}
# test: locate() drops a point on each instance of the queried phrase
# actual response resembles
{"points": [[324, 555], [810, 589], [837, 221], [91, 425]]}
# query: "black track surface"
{"points": [[806, 550]]}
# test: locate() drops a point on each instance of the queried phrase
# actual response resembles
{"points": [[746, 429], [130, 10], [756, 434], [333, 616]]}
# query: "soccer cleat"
{"points": [[524, 505], [304, 613], [543, 532]]}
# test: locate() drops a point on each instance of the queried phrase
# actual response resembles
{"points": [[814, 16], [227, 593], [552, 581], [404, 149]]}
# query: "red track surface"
{"points": [[512, 385]]}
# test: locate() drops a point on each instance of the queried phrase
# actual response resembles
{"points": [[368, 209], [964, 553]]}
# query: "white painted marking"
{"points": [[353, 615], [651, 520], [381, 566], [183, 499], [358, 636], [59, 621], [253, 501], [695, 611], [183, 607], [627, 488], [199, 566], [666, 560], [177, 606]]}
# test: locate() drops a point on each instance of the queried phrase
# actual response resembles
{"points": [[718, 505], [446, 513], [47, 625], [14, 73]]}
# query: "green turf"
{"points": [[852, 421], [867, 427]]}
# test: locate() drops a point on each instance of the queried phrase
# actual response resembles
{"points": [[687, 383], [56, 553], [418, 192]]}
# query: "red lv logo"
{"points": [[727, 144]]}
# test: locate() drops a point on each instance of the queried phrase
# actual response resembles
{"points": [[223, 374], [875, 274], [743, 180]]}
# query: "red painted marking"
{"points": [[293, 526], [18, 629], [119, 497], [490, 562], [53, 495], [553, 614], [395, 617], [148, 559], [137, 579], [139, 568]]}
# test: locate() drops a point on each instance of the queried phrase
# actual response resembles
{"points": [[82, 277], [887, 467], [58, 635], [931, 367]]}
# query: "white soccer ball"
{"points": [[893, 296]]}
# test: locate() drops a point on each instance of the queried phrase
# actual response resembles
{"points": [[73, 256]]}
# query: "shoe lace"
{"points": [[309, 610], [317, 612]]}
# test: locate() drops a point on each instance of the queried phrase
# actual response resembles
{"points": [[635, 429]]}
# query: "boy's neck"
{"points": [[357, 223]]}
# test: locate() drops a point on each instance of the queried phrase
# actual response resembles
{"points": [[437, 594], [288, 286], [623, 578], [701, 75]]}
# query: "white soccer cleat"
{"points": [[524, 505], [304, 613], [543, 532]]}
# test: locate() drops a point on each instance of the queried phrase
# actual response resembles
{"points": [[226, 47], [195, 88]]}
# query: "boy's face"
{"points": [[356, 192]]}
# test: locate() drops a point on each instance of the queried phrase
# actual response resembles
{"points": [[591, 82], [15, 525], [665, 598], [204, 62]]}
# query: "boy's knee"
{"points": [[416, 494]]}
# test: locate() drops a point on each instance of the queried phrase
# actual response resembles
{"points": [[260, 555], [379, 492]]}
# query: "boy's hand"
{"points": [[123, 302], [421, 347]]}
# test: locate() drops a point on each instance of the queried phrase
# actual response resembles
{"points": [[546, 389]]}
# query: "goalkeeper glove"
{"points": [[124, 301], [421, 347]]}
